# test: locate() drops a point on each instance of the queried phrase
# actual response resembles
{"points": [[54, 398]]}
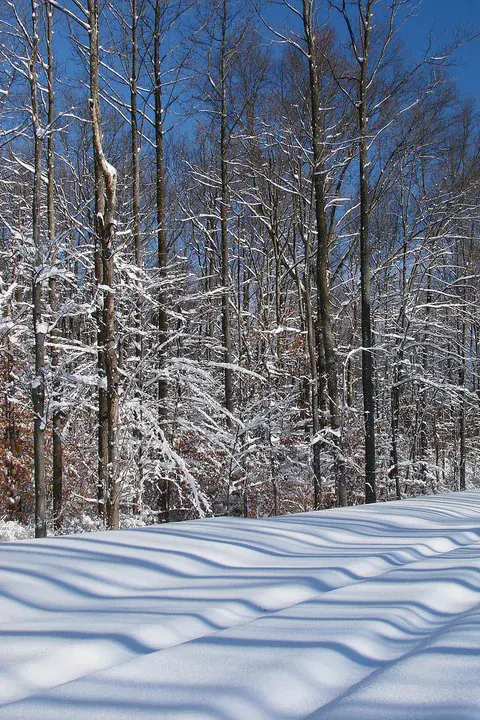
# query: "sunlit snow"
{"points": [[367, 613]]}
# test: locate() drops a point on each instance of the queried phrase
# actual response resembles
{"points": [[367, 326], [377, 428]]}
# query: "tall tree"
{"points": [[39, 325], [323, 238], [106, 206], [57, 413]]}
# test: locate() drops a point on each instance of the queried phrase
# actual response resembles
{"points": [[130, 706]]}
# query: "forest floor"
{"points": [[365, 613]]}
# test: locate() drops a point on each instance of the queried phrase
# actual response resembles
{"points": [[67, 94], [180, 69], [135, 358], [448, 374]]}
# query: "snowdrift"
{"points": [[366, 613]]}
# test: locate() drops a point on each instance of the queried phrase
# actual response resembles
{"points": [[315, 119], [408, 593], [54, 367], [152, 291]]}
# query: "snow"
{"points": [[11, 530], [361, 613], [111, 171], [42, 328]]}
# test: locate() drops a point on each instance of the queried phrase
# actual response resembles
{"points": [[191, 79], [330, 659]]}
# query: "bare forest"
{"points": [[239, 260]]}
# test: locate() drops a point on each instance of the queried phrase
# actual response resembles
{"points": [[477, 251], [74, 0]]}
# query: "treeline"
{"points": [[239, 260]]}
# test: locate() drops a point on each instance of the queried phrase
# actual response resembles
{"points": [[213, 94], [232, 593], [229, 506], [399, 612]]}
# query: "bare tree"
{"points": [[39, 325], [106, 206]]}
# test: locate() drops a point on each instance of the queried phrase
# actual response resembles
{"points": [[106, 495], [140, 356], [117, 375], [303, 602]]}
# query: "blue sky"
{"points": [[447, 15], [444, 17]]}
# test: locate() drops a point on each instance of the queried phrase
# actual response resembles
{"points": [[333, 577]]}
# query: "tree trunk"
{"points": [[137, 244], [322, 260], [57, 415], [316, 423], [106, 177], [366, 317], [461, 420], [38, 384], [164, 485], [224, 251], [395, 408]]}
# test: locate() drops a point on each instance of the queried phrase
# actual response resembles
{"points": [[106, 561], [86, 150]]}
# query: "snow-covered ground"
{"points": [[367, 613]]}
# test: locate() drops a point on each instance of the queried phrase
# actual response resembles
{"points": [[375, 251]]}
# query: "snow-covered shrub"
{"points": [[11, 531]]}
